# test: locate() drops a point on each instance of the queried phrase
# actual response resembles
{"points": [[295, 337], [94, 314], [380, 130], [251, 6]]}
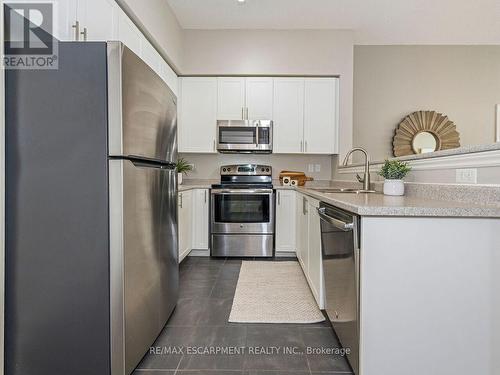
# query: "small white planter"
{"points": [[179, 178], [394, 187]]}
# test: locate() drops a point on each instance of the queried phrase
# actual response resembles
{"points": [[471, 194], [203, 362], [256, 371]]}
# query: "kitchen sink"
{"points": [[340, 190]]}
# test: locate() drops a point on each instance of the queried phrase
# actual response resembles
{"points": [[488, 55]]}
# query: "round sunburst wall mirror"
{"points": [[425, 131]]}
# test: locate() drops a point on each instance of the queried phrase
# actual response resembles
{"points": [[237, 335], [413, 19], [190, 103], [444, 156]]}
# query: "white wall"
{"points": [[276, 52], [485, 175], [207, 165], [155, 17], [390, 82]]}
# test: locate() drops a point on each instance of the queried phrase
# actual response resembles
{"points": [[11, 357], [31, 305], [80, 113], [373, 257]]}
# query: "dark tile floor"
{"points": [[198, 331]]}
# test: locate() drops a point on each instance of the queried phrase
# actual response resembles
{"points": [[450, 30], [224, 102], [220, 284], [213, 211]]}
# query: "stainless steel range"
{"points": [[242, 212]]}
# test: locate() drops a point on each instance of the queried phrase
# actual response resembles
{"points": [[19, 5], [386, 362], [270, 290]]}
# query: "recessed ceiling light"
{"points": [[241, 1]]}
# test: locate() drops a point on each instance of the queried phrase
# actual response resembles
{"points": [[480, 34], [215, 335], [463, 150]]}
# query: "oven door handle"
{"points": [[242, 191], [339, 224], [257, 134]]}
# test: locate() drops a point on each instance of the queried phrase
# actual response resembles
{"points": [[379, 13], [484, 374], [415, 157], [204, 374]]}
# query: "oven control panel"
{"points": [[246, 170]]}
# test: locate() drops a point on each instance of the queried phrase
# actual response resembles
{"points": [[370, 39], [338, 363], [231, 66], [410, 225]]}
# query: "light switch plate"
{"points": [[311, 168], [466, 176], [317, 168]]}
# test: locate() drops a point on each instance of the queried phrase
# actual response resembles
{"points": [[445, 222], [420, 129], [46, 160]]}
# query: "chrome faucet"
{"points": [[366, 179]]}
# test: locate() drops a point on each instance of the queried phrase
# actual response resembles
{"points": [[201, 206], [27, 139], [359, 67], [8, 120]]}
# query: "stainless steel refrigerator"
{"points": [[91, 214]]}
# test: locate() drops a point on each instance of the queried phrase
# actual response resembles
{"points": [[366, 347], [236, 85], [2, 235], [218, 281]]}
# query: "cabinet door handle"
{"points": [[301, 146], [205, 196], [84, 34], [279, 199], [304, 205], [180, 200], [242, 113], [305, 146], [247, 113], [214, 144], [76, 26]]}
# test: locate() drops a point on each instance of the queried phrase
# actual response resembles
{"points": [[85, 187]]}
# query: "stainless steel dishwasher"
{"points": [[340, 252]]}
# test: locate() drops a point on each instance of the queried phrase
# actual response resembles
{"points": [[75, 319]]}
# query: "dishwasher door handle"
{"points": [[339, 224]]}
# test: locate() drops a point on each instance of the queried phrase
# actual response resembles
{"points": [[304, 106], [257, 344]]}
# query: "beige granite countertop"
{"points": [[436, 201], [191, 184], [377, 204]]}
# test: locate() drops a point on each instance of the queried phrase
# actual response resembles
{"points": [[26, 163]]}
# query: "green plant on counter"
{"points": [[183, 166], [394, 170]]}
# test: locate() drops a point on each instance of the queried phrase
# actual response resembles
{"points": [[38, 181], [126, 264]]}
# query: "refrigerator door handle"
{"points": [[150, 163]]}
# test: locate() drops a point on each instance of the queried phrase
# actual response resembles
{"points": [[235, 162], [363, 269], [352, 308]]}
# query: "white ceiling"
{"points": [[373, 21]]}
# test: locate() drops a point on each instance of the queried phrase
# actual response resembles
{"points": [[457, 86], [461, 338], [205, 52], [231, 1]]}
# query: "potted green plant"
{"points": [[394, 171], [183, 167]]}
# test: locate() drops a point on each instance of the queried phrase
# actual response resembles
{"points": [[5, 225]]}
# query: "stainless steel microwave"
{"points": [[245, 136]]}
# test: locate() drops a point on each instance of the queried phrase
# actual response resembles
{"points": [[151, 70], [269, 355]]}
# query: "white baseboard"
{"points": [[199, 253], [285, 254]]}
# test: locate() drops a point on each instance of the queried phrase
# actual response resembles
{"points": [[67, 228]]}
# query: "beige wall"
{"points": [[277, 52], [390, 82], [485, 175], [157, 19], [207, 166]]}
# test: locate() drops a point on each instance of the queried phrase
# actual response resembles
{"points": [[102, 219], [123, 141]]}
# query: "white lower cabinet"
{"points": [[308, 237], [200, 219], [285, 241], [185, 217], [315, 264], [193, 222], [302, 229]]}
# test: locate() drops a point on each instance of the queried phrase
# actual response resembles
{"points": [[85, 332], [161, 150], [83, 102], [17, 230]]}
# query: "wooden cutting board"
{"points": [[299, 176]]}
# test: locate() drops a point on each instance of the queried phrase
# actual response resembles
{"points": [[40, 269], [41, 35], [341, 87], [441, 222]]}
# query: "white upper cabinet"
{"points": [[66, 27], [150, 55], [231, 98], [285, 221], [129, 34], [99, 20], [288, 115], [198, 114], [242, 98], [169, 76], [259, 98], [304, 111], [320, 116], [86, 20]]}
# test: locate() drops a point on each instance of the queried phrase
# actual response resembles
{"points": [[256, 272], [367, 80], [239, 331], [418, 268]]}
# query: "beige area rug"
{"points": [[273, 292]]}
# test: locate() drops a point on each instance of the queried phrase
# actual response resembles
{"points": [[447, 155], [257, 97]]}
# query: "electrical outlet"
{"points": [[192, 166], [466, 176], [310, 168], [317, 168]]}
